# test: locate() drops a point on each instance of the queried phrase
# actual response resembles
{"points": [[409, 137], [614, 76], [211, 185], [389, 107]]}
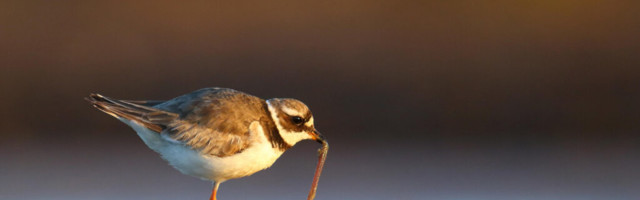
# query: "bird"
{"points": [[216, 134]]}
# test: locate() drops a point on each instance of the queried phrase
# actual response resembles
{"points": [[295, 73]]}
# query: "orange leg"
{"points": [[214, 191]]}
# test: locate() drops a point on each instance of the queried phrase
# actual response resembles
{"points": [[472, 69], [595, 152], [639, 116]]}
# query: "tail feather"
{"points": [[152, 118]]}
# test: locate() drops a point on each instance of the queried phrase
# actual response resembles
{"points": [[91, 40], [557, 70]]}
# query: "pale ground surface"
{"points": [[104, 170]]}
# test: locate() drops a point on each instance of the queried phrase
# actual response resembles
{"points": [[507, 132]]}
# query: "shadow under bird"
{"points": [[218, 134]]}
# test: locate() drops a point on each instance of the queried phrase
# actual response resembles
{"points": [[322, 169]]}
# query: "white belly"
{"points": [[258, 156]]}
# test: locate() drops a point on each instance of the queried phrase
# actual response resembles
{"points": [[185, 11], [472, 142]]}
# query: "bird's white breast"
{"points": [[260, 155]]}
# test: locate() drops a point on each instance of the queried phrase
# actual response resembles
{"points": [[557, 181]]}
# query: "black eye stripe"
{"points": [[297, 120]]}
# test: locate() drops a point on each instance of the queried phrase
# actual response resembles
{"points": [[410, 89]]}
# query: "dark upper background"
{"points": [[420, 100]]}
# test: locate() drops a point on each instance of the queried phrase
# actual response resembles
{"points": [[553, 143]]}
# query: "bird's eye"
{"points": [[297, 120]]}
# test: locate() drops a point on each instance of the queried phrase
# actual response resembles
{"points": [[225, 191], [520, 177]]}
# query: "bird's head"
{"points": [[293, 120]]}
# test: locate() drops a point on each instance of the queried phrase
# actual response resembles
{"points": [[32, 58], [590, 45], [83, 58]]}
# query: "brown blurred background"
{"points": [[419, 99]]}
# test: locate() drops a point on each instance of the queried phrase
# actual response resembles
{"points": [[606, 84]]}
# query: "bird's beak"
{"points": [[317, 136]]}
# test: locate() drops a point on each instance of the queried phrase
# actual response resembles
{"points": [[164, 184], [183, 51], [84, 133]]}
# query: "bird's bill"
{"points": [[317, 136]]}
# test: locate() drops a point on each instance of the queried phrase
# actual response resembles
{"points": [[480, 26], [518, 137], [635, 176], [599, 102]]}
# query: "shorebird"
{"points": [[218, 134]]}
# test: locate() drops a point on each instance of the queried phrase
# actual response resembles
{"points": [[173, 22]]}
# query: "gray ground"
{"points": [[108, 169]]}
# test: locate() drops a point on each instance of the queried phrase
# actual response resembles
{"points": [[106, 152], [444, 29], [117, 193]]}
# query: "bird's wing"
{"points": [[213, 120], [149, 103], [149, 117]]}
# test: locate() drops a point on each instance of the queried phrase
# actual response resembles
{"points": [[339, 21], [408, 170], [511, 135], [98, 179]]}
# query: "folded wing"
{"points": [[209, 120]]}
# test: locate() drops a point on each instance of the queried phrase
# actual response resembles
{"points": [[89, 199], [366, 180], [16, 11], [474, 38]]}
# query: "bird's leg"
{"points": [[214, 191]]}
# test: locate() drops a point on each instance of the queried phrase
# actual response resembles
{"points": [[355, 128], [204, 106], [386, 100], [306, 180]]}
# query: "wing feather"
{"points": [[213, 120]]}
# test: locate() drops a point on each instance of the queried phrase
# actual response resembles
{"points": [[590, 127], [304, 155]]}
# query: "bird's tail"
{"points": [[152, 118]]}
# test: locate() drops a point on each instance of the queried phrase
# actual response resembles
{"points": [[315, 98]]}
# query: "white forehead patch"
{"points": [[290, 138], [290, 112], [310, 122]]}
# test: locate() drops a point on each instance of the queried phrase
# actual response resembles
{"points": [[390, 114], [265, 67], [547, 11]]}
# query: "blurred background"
{"points": [[419, 99]]}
